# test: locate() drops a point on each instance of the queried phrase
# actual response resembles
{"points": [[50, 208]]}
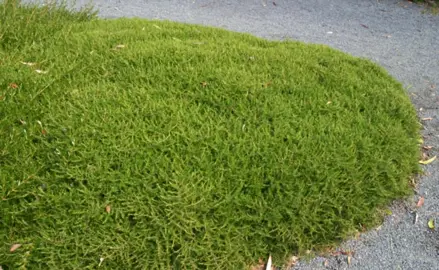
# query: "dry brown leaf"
{"points": [[267, 84], [347, 253], [336, 253], [420, 202], [326, 263], [424, 156], [14, 247], [44, 132], [260, 265], [349, 260], [427, 147], [291, 262], [108, 208], [13, 85], [363, 228]]}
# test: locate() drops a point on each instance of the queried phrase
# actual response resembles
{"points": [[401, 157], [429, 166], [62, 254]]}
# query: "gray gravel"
{"points": [[396, 34]]}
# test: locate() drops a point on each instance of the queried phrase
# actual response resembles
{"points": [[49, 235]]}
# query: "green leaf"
{"points": [[425, 162], [431, 224]]}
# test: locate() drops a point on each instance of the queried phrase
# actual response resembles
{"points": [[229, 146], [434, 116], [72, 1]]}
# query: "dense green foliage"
{"points": [[159, 145]]}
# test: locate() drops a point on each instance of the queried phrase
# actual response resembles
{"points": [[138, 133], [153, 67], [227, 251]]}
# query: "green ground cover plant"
{"points": [[136, 144], [431, 6]]}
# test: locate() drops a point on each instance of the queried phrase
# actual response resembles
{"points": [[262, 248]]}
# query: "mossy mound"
{"points": [[161, 145]]}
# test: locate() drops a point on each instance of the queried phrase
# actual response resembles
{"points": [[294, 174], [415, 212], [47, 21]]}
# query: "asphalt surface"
{"points": [[399, 36]]}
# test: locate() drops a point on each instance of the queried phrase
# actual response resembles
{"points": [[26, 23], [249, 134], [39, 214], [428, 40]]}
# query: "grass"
{"points": [[431, 6], [188, 147]]}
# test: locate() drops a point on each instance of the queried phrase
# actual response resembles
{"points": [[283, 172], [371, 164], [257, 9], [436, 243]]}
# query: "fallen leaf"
{"points": [[13, 85], [44, 132], [2, 97], [363, 228], [420, 202], [326, 263], [204, 84], [28, 63], [348, 253], [100, 261], [260, 265], [268, 267], [427, 147], [108, 208], [431, 224], [388, 212], [349, 260], [291, 262], [424, 156], [336, 253], [267, 84], [425, 162], [14, 247], [427, 119], [39, 71]]}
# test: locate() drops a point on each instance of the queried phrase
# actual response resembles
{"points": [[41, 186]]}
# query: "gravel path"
{"points": [[395, 34]]}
